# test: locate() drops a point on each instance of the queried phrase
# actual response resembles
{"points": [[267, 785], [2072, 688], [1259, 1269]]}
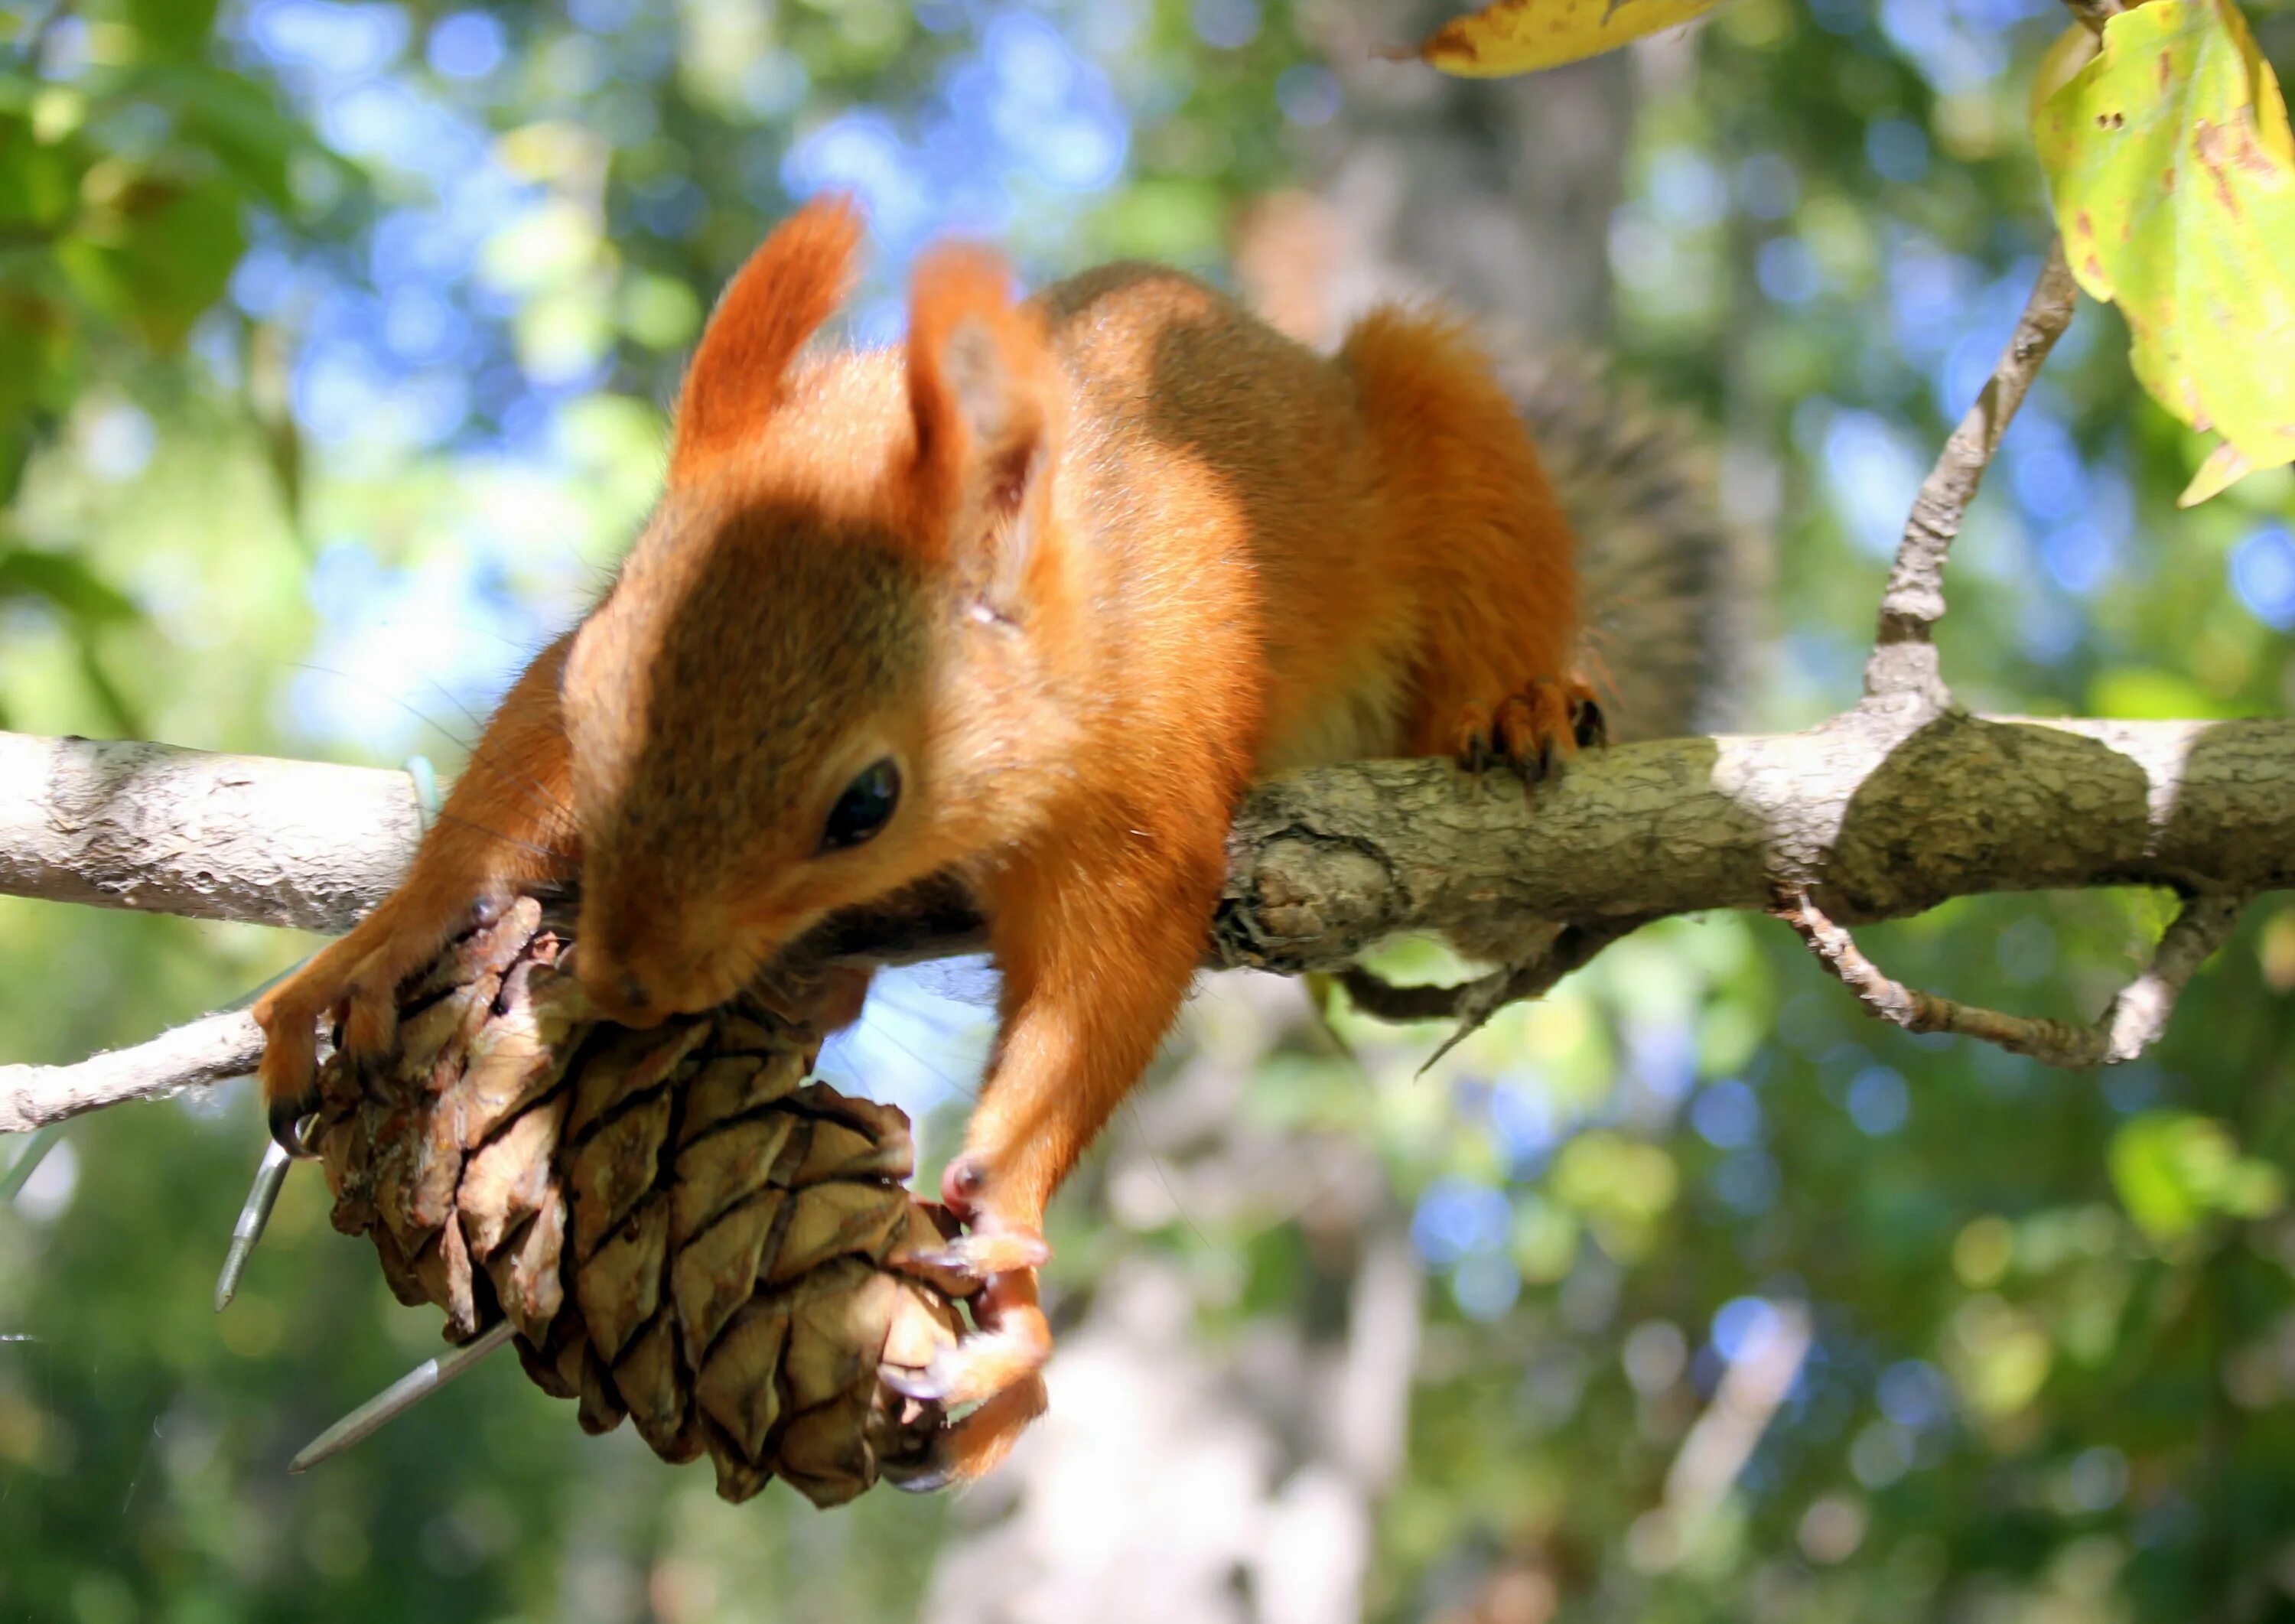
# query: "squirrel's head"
{"points": [[815, 664]]}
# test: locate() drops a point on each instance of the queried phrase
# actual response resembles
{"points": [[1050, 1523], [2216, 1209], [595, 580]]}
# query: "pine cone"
{"points": [[680, 1228]]}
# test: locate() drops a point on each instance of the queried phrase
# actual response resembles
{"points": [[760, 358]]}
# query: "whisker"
{"points": [[421, 715], [537, 793], [1131, 1109], [447, 694], [551, 853]]}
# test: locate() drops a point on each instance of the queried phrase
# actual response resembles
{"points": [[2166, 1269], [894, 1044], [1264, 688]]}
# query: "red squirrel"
{"points": [[1029, 597]]}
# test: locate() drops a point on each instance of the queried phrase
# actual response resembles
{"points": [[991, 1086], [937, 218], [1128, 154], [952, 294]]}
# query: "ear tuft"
{"points": [[793, 283], [981, 381]]}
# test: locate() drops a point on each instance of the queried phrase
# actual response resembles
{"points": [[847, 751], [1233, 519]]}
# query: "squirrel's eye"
{"points": [[865, 807]]}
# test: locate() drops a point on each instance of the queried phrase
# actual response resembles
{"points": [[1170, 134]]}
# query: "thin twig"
{"points": [[1574, 947], [2132, 1023], [198, 1054], [1904, 660], [2095, 13]]}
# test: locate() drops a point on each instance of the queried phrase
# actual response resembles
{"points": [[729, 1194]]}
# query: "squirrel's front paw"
{"points": [[289, 1069], [365, 999], [1530, 729], [356, 982], [998, 1367], [984, 1254], [1012, 1342], [969, 1449]]}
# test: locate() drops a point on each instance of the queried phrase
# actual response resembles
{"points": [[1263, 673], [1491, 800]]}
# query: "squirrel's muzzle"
{"points": [[640, 972]]}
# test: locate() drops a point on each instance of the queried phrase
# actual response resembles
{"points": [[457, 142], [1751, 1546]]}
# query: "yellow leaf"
{"points": [[1523, 36], [2173, 172], [2075, 49], [2225, 467]]}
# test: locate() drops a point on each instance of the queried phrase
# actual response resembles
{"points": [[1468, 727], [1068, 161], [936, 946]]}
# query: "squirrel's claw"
{"points": [[983, 1366], [289, 1069], [966, 1450], [981, 1256], [286, 1118], [1588, 725], [1532, 730]]}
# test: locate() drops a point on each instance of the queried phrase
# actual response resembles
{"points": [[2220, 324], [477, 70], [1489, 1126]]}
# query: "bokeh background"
{"points": [[334, 341]]}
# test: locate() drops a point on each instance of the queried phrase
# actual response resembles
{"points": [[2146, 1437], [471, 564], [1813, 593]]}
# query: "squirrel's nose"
{"points": [[622, 994]]}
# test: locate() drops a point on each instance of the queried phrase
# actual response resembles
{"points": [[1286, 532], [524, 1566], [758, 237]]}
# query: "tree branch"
{"points": [[245, 837], [195, 1055], [2133, 1022], [1870, 816], [1876, 821], [1904, 658]]}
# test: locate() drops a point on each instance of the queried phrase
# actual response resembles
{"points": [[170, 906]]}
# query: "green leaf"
{"points": [[173, 27], [65, 583], [237, 120], [119, 710], [2143, 693], [2174, 180], [87, 603], [39, 183], [177, 257], [2175, 1170]]}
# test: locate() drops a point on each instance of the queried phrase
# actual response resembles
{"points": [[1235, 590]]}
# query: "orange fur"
{"points": [[777, 301], [1078, 569], [508, 824]]}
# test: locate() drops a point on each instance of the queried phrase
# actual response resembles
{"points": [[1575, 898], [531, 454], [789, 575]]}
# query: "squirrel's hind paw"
{"points": [[1531, 730]]}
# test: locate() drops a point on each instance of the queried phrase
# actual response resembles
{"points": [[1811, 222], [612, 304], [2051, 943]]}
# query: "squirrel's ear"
{"points": [[982, 386], [774, 303]]}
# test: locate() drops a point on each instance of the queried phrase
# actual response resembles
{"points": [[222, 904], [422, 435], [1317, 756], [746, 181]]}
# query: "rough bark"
{"points": [[195, 1055], [245, 837], [1875, 821]]}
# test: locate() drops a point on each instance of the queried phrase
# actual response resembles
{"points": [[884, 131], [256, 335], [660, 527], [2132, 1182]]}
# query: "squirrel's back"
{"points": [[1344, 516], [1666, 583], [1226, 472]]}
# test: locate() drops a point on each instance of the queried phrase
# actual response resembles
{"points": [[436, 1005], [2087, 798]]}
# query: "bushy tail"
{"points": [[1666, 585]]}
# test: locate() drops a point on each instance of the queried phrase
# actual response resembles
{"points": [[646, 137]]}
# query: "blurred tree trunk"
{"points": [[1495, 195]]}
